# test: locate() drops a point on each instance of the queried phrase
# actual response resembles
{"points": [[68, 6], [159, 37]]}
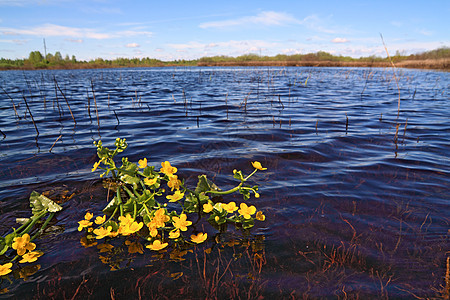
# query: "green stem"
{"points": [[251, 174], [34, 220], [50, 216], [128, 192], [24, 225], [233, 189], [146, 209], [119, 199], [226, 192], [113, 214]]}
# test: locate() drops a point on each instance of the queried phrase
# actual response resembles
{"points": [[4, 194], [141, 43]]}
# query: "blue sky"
{"points": [[170, 30]]}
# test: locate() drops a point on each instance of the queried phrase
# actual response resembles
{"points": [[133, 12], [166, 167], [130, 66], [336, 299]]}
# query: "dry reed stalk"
{"points": [[346, 123], [54, 143], [95, 103], [279, 101], [14, 106], [32, 119], [116, 118], [57, 101], [68, 105], [393, 71], [89, 104], [404, 131]]}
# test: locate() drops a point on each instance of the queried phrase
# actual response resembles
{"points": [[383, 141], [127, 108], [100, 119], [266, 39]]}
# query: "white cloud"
{"points": [[425, 32], [229, 48], [244, 46], [339, 40], [268, 18], [52, 30], [128, 33], [48, 30], [17, 42], [75, 40], [24, 2], [132, 45], [323, 25]]}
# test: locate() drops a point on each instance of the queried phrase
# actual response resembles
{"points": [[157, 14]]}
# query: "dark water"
{"points": [[356, 198]]}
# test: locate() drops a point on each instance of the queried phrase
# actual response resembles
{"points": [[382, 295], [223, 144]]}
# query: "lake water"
{"points": [[356, 195]]}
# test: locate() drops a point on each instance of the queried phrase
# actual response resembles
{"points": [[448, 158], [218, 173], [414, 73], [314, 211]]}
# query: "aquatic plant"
{"points": [[19, 243], [156, 208], [150, 207]]}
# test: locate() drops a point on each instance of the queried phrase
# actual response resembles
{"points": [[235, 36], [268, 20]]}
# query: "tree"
{"points": [[35, 57], [57, 57]]}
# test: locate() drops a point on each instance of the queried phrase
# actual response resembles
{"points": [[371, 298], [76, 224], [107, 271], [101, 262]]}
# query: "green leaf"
{"points": [[3, 246], [238, 175], [111, 206], [130, 179], [149, 170], [248, 223], [204, 184], [40, 203], [113, 224], [6, 242]]}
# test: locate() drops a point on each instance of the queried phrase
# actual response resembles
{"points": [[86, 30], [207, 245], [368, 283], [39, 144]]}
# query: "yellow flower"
{"points": [[257, 165], [175, 197], [260, 216], [153, 229], [207, 207], [199, 238], [102, 232], [160, 218], [104, 247], [22, 244], [157, 245], [31, 257], [142, 163], [174, 182], [88, 216], [5, 269], [167, 168], [100, 220], [130, 228], [230, 207], [181, 222], [94, 168], [134, 247], [247, 211], [174, 234], [150, 182], [127, 220], [84, 224]]}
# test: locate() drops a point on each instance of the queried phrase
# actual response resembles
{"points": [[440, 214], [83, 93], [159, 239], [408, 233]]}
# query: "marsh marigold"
{"points": [[22, 244]]}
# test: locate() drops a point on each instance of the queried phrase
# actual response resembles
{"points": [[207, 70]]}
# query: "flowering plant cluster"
{"points": [[156, 206], [19, 243]]}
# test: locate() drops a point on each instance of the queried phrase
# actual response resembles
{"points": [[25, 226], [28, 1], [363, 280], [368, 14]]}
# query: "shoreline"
{"points": [[439, 64], [436, 64]]}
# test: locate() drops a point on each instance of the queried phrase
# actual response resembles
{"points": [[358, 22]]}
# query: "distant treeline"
{"points": [[438, 58]]}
